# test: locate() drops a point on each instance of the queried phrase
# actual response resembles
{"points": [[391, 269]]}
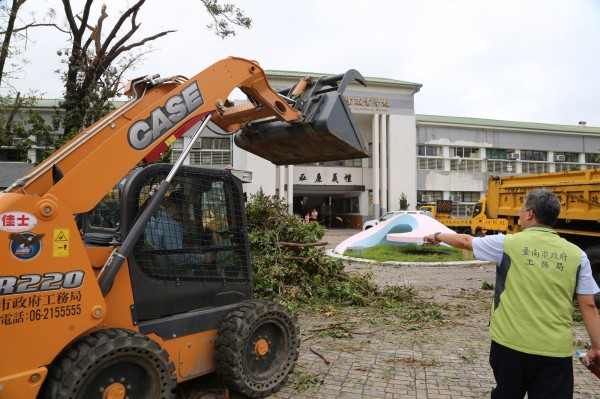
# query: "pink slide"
{"points": [[398, 230]]}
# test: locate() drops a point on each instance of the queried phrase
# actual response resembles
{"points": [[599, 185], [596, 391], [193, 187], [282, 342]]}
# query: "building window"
{"points": [[572, 157], [565, 167], [345, 205], [429, 151], [346, 162], [565, 161], [499, 167], [178, 144], [430, 163], [464, 152], [9, 155], [429, 196], [592, 160], [496, 153], [465, 196], [535, 167], [206, 151], [465, 165], [215, 143], [213, 158], [533, 155]]}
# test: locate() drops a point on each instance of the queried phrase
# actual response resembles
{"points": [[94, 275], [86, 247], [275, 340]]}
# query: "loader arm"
{"points": [[153, 120]]}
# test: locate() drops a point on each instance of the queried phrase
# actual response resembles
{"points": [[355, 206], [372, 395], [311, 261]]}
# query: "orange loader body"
{"points": [[50, 295]]}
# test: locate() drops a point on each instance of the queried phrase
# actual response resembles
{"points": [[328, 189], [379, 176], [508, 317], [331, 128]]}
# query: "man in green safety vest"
{"points": [[537, 275]]}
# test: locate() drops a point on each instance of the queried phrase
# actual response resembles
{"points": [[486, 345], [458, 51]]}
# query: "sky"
{"points": [[517, 60]]}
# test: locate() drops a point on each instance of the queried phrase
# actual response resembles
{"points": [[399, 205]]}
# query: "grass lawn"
{"points": [[410, 253]]}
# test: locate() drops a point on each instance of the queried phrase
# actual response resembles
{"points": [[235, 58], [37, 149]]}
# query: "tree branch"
{"points": [[111, 36], [34, 25], [11, 116], [221, 26], [97, 33], [122, 49]]}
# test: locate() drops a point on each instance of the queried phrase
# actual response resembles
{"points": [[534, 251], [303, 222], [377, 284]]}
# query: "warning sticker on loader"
{"points": [[60, 243]]}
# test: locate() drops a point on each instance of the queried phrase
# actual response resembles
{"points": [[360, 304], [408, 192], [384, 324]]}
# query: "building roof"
{"points": [[458, 121], [382, 81], [55, 102], [48, 102], [11, 171]]}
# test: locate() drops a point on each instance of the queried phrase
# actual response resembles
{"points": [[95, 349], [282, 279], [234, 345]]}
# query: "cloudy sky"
{"points": [[520, 60]]}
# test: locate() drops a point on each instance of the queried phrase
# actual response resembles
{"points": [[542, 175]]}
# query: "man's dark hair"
{"points": [[544, 204], [174, 198]]}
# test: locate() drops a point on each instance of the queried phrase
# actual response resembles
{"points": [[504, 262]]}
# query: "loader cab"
{"points": [[194, 251]]}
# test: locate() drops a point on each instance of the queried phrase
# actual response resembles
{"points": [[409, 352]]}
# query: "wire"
{"points": [[222, 134]]}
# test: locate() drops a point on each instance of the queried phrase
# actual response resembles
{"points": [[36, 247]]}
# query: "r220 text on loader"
{"points": [[95, 303]]}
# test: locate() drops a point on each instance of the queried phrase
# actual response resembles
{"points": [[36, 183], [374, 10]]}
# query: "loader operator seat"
{"points": [[208, 262], [198, 232], [177, 252]]}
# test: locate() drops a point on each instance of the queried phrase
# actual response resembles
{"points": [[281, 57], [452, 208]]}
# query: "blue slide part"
{"points": [[376, 235]]}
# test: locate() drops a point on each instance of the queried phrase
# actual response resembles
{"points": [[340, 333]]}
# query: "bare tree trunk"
{"points": [[16, 4]]}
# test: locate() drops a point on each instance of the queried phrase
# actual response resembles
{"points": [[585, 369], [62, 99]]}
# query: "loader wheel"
{"points": [[257, 348], [112, 363], [593, 254]]}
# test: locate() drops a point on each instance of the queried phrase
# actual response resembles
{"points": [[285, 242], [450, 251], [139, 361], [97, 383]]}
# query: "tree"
{"points": [[96, 62], [15, 111], [21, 128], [9, 17]]}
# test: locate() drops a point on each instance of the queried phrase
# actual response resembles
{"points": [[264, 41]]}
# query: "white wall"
{"points": [[402, 170]]}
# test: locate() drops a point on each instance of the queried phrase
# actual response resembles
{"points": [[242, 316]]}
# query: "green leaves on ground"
{"points": [[289, 262], [290, 266]]}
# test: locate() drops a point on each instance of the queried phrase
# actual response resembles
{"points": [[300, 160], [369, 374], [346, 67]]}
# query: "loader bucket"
{"points": [[326, 133]]}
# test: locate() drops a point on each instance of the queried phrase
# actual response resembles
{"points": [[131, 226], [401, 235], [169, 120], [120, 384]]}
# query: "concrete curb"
{"points": [[331, 253]]}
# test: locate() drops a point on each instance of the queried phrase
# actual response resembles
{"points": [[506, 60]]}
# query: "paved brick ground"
{"points": [[381, 359]]}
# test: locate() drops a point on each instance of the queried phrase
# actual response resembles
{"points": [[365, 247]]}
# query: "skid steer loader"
{"points": [[120, 280]]}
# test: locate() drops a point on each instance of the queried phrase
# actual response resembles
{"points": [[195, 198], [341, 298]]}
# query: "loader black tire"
{"points": [[593, 254], [257, 348], [111, 363]]}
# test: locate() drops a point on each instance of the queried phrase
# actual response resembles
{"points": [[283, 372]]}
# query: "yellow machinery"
{"points": [[579, 218]]}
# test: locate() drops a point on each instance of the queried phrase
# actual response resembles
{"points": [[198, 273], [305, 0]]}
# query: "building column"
{"points": [[483, 157], [446, 155], [375, 155], [281, 186], [384, 166], [290, 188], [552, 165]]}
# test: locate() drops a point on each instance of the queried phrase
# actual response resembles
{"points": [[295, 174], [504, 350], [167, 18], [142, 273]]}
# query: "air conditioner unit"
{"points": [[426, 198], [455, 198], [559, 158], [512, 155]]}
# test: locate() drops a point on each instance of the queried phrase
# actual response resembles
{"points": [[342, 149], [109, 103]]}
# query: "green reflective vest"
{"points": [[535, 285]]}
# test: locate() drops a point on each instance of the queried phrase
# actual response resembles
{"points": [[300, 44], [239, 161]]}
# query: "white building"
{"points": [[347, 192], [423, 157]]}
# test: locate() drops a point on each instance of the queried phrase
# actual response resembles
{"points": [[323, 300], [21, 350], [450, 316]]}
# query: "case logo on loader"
{"points": [[144, 132]]}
